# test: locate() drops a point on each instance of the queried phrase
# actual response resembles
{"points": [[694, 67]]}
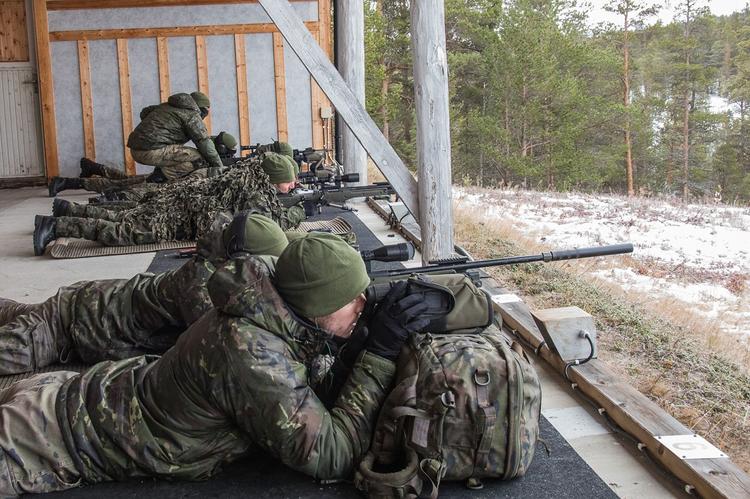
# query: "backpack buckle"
{"points": [[484, 375], [448, 399]]}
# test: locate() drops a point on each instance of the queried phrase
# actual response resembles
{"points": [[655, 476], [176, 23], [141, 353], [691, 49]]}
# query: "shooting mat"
{"points": [[81, 248], [66, 247]]}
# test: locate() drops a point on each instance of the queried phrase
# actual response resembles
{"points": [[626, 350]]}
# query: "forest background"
{"points": [[541, 99]]}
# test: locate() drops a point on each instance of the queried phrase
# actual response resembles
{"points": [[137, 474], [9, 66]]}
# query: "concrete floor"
{"points": [[28, 278]]}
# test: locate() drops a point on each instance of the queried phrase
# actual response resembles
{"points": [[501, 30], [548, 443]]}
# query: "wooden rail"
{"points": [[87, 103], [121, 4]]}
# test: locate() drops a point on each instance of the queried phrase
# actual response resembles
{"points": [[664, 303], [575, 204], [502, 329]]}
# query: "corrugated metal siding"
{"points": [[20, 154]]}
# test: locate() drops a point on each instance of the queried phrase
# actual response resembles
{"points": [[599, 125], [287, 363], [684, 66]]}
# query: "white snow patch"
{"points": [[704, 242]]}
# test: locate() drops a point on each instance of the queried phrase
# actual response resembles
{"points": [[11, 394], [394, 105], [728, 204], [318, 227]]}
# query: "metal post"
{"points": [[350, 52], [433, 127]]}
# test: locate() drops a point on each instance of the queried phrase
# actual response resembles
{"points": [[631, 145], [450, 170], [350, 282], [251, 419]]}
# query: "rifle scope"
{"points": [[551, 256], [400, 252]]}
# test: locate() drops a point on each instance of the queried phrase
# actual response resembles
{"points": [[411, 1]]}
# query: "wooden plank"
{"points": [[433, 128], [242, 101], [120, 4], [87, 104], [279, 71], [326, 27], [126, 103], [46, 88], [634, 413], [202, 63], [351, 110], [114, 34], [162, 50], [14, 39], [317, 101]]}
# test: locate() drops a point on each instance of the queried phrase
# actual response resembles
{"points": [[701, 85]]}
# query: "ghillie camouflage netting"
{"points": [[185, 209]]}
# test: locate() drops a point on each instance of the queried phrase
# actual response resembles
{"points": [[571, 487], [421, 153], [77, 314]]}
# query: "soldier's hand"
{"points": [[397, 316]]}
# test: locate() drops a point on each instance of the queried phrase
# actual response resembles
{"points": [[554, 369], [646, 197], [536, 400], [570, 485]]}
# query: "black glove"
{"points": [[309, 207], [397, 316]]}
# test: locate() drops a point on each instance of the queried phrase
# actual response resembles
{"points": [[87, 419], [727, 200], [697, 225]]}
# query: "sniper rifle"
{"points": [[322, 194]]}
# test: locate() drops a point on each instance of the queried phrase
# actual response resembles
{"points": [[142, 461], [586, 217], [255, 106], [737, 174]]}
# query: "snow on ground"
{"points": [[696, 254]]}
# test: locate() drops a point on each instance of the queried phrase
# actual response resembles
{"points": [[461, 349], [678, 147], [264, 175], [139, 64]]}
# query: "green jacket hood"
{"points": [[243, 287], [183, 101]]}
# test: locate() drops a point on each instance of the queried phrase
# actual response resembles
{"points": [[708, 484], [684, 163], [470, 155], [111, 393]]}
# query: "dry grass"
{"points": [[695, 373]]}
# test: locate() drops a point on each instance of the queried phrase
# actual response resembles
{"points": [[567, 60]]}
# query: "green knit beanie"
{"points": [[278, 168], [201, 99], [228, 140], [283, 148], [255, 234], [319, 273], [293, 235]]}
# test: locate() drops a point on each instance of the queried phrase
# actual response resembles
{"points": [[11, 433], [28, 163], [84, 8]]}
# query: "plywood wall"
{"points": [[109, 63], [14, 44]]}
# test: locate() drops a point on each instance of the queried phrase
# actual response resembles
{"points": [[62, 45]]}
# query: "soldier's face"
{"points": [[285, 187], [341, 322]]}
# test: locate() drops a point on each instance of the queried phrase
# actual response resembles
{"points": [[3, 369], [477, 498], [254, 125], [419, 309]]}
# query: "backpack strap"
{"points": [[488, 418]]}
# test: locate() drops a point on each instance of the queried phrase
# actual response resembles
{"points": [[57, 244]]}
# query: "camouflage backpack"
{"points": [[465, 407]]}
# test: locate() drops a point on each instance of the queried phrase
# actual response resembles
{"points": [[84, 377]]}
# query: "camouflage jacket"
{"points": [[174, 122], [236, 382], [188, 207]]}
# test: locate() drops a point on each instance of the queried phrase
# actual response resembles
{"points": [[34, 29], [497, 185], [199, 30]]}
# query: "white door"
{"points": [[20, 137]]}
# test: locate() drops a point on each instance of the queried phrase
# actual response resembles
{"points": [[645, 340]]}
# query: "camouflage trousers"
{"points": [[101, 184], [34, 456], [112, 173], [104, 231], [174, 160], [92, 321]]}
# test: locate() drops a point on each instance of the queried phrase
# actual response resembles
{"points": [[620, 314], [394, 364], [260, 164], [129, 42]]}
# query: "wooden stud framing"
{"points": [[14, 40], [317, 101], [162, 49], [126, 104], [119, 4], [242, 102], [279, 71], [202, 62], [87, 105], [46, 90], [113, 34]]}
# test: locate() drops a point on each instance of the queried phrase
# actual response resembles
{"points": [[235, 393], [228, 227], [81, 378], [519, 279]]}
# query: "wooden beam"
{"points": [[351, 110], [433, 128], [162, 49], [126, 103], [87, 104], [114, 34], [46, 88], [317, 100], [279, 71], [350, 58], [242, 101], [202, 62], [120, 4], [324, 20], [14, 39], [633, 412]]}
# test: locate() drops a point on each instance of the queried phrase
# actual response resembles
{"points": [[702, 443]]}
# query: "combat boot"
{"points": [[58, 184], [61, 207], [44, 233], [90, 168]]}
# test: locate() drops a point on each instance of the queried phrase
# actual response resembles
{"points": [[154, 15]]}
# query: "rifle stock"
{"points": [[323, 196]]}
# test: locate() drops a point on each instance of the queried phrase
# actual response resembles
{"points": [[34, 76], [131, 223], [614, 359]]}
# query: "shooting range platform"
{"points": [[583, 456]]}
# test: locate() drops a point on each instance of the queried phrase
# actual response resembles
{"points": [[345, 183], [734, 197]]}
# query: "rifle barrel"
{"points": [[551, 256]]}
